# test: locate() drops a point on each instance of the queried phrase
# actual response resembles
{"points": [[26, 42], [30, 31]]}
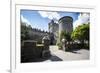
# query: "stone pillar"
{"points": [[64, 44], [46, 43]]}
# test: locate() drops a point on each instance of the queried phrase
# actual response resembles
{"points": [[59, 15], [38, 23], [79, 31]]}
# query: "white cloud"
{"points": [[50, 15], [24, 20], [82, 19]]}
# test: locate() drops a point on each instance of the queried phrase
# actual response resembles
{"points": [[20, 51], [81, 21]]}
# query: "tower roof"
{"points": [[67, 18]]}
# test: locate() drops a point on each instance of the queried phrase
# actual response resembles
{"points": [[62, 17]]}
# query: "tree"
{"points": [[25, 31], [81, 33]]}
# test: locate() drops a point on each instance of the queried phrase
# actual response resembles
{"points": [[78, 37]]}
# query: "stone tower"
{"points": [[66, 24], [53, 26], [53, 29]]}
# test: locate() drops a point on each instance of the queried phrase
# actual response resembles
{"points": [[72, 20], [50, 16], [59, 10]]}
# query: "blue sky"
{"points": [[40, 19]]}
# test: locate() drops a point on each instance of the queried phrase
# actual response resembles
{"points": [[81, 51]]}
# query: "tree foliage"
{"points": [[25, 31], [81, 33]]}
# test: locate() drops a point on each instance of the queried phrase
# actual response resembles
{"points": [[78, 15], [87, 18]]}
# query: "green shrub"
{"points": [[59, 45]]}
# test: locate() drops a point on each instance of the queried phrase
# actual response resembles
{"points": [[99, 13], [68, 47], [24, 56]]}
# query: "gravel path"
{"points": [[60, 55]]}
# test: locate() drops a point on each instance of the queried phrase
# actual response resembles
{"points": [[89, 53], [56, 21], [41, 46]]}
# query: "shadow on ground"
{"points": [[74, 50], [55, 58], [51, 58]]}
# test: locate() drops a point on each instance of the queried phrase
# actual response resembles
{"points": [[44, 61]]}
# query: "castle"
{"points": [[64, 24]]}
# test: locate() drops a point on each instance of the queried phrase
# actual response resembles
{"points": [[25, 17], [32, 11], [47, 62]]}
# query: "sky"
{"points": [[40, 19]]}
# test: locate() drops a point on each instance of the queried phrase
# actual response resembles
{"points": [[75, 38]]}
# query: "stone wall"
{"points": [[32, 50]]}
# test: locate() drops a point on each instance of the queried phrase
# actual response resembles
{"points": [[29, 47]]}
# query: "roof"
{"points": [[66, 17]]}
